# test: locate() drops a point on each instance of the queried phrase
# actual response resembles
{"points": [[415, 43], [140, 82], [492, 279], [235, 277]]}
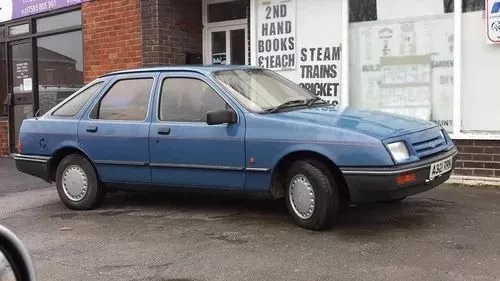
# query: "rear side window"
{"points": [[188, 100], [126, 100], [74, 105]]}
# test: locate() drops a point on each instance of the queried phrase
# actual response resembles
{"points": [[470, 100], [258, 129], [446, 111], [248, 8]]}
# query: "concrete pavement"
{"points": [[449, 233]]}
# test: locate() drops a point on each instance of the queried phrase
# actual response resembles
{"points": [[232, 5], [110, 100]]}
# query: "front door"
{"points": [[227, 45], [21, 99], [185, 150], [115, 130]]}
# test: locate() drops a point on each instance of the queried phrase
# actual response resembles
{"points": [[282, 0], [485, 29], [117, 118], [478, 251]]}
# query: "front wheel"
{"points": [[311, 197], [77, 183]]}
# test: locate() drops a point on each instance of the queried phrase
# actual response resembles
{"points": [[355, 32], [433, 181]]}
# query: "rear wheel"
{"points": [[311, 197], [77, 183]]}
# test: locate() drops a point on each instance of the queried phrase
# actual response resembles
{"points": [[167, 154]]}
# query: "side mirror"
{"points": [[15, 262], [221, 117]]}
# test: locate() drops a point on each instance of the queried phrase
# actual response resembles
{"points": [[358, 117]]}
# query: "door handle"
{"points": [[163, 131], [91, 129]]}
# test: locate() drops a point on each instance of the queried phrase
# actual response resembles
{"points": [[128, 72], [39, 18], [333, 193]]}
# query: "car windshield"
{"points": [[262, 90]]}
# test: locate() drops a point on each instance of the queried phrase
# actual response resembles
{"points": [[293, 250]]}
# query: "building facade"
{"points": [[431, 59]]}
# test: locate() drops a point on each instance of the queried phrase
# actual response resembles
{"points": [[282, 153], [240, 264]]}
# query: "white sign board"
{"points": [[276, 43], [397, 9], [493, 21], [315, 44]]}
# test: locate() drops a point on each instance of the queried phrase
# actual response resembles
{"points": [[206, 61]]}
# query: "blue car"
{"points": [[230, 128]]}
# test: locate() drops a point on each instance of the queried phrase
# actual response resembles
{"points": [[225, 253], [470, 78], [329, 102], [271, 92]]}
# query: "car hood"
{"points": [[374, 123]]}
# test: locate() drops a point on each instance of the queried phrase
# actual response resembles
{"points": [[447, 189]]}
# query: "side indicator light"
{"points": [[406, 178]]}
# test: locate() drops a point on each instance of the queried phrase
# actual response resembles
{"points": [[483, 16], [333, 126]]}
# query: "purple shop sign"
{"points": [[14, 9]]}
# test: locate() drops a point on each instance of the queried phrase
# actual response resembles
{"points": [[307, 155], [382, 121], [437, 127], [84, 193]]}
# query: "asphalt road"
{"points": [[449, 233], [11, 180]]}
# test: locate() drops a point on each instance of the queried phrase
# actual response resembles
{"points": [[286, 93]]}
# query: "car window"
{"points": [[126, 100], [188, 100], [74, 105]]}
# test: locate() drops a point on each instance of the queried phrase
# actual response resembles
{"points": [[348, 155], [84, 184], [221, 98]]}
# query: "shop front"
{"points": [[433, 59], [41, 61]]}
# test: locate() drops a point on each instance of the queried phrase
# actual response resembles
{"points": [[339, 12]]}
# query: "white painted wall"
{"points": [[480, 77]]}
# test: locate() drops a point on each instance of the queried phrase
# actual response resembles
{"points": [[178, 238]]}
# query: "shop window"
{"points": [[74, 105], [472, 5], [126, 100], [366, 10], [362, 10], [60, 68], [19, 29], [404, 66], [59, 21], [232, 10], [188, 100]]}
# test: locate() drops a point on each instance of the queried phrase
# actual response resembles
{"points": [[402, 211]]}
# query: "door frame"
{"points": [[10, 87], [207, 58], [208, 28]]}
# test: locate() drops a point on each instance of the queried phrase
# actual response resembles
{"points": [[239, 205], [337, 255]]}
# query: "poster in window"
{"points": [[276, 34], [403, 43]]}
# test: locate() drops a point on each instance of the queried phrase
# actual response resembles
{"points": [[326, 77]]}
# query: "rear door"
{"points": [[115, 130], [185, 150]]}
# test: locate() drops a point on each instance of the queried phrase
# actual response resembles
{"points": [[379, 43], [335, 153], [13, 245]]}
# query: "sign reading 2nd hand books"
{"points": [[276, 34], [14, 9], [493, 21]]}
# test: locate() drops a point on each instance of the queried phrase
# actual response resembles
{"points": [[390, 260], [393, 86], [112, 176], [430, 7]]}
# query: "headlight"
{"points": [[399, 151]]}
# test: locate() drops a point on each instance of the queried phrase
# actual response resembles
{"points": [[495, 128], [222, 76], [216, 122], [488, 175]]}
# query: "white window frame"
{"points": [[227, 26]]}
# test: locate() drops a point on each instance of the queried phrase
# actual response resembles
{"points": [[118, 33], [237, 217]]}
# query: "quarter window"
{"points": [[126, 100], [188, 100], [74, 105]]}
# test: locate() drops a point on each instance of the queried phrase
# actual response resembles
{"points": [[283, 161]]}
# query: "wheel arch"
{"points": [[62, 152], [279, 172]]}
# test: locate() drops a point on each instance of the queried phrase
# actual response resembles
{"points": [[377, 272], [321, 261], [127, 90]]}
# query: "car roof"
{"points": [[203, 69]]}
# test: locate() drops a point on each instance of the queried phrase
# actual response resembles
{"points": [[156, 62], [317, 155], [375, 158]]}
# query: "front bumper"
{"points": [[380, 184], [38, 166]]}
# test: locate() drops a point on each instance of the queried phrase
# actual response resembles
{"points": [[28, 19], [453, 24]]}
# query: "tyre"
{"points": [[311, 197], [77, 183]]}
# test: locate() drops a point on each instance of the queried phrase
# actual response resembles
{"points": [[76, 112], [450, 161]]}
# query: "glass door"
{"points": [[227, 45], [20, 86]]}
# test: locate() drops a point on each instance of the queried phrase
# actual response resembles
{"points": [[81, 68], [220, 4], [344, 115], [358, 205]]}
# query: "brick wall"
{"points": [[478, 158], [170, 29], [112, 36], [4, 138]]}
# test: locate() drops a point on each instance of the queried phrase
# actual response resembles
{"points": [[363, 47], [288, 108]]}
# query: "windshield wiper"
{"points": [[313, 100], [286, 104]]}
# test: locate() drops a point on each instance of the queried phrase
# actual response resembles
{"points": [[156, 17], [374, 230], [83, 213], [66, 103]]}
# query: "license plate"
{"points": [[441, 167]]}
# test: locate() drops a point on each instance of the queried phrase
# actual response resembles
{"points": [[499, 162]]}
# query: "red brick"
{"points": [[465, 156], [492, 165], [111, 31], [473, 149], [473, 164], [463, 172], [483, 172], [482, 157], [492, 150]]}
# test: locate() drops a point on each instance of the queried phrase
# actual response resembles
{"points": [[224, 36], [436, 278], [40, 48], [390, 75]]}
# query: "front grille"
{"points": [[429, 147]]}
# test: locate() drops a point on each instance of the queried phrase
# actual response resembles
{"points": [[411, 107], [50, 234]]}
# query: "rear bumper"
{"points": [[380, 184], [38, 166]]}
